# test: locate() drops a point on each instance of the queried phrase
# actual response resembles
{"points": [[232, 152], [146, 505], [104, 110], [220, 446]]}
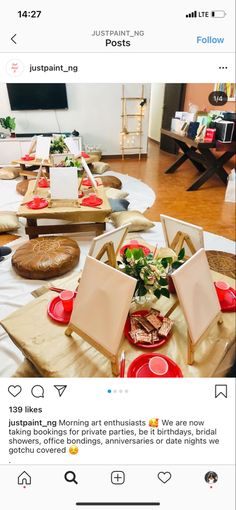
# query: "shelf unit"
{"points": [[130, 134]]}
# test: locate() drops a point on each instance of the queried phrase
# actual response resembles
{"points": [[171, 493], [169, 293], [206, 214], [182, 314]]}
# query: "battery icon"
{"points": [[218, 14]]}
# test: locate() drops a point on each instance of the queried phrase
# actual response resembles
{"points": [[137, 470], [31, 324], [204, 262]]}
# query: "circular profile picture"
{"points": [[211, 477]]}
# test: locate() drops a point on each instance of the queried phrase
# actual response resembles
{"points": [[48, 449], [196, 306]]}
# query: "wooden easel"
{"points": [[63, 202], [179, 240], [191, 346], [110, 250], [115, 365], [84, 174], [39, 175], [176, 245]]}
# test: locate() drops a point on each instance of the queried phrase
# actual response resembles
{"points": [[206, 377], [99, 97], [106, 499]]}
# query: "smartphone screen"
{"points": [[117, 255]]}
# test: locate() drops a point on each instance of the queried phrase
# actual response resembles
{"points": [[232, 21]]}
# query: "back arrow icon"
{"points": [[13, 39]]}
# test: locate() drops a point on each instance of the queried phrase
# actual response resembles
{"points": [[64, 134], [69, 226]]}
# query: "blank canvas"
{"points": [[89, 174], [74, 145], [42, 147], [116, 236], [171, 226], [102, 303], [197, 294], [64, 183]]}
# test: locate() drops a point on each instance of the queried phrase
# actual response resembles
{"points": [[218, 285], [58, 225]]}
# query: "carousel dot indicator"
{"points": [[108, 391]]}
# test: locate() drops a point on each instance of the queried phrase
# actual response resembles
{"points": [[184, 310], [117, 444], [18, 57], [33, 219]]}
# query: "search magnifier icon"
{"points": [[70, 476]]}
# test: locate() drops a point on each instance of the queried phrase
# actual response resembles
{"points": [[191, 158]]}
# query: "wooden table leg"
{"points": [[187, 153], [100, 228], [213, 166], [202, 179], [22, 167], [31, 228], [177, 164], [34, 230]]}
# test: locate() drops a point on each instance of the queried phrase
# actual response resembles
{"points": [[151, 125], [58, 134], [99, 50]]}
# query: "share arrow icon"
{"points": [[60, 388]]}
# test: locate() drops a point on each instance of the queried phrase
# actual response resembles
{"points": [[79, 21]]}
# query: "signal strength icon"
{"points": [[192, 14]]}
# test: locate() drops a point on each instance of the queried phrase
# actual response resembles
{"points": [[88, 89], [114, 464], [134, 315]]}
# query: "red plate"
{"points": [[57, 312], [29, 158], [87, 182], [139, 367], [92, 201], [43, 203], [44, 183], [143, 345], [135, 244], [229, 303]]}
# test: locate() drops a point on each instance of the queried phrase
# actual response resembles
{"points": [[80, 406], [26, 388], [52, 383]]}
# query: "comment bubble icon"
{"points": [[37, 391]]}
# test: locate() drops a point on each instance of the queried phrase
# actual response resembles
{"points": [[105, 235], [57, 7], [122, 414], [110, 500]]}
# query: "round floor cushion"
{"points": [[109, 181], [46, 257], [22, 186]]}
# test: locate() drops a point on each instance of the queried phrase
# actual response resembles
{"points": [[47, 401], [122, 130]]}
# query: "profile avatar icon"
{"points": [[211, 477]]}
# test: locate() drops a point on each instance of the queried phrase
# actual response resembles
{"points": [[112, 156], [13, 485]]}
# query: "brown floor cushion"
{"points": [[109, 181], [46, 257], [22, 186]]}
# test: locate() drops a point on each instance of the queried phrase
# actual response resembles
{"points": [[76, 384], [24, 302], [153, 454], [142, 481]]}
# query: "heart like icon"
{"points": [[14, 390], [164, 477]]}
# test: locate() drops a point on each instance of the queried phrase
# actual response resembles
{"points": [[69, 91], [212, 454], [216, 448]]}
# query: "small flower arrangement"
{"points": [[73, 162], [150, 272], [172, 263], [58, 146]]}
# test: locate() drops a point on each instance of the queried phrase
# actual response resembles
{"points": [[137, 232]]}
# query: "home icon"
{"points": [[24, 479]]}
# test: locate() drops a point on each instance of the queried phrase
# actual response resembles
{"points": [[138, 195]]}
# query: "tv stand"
{"points": [[30, 135], [12, 149]]}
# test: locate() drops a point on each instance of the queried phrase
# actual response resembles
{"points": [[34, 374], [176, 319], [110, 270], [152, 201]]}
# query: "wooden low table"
{"points": [[51, 353], [202, 157], [80, 219], [27, 167], [31, 165]]}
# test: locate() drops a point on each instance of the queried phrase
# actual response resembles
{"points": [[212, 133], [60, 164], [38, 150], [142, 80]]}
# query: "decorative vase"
{"points": [[143, 302], [171, 285]]}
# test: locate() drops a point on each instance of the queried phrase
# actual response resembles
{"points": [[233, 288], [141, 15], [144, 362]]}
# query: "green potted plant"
{"points": [[74, 163], [58, 146], [59, 151], [150, 273], [10, 124]]}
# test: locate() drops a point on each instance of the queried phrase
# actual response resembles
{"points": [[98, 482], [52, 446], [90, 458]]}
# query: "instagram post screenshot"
{"points": [[117, 255]]}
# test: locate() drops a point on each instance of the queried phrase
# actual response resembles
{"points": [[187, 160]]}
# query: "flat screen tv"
{"points": [[37, 96]]}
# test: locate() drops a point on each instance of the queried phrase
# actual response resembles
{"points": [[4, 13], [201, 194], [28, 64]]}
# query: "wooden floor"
{"points": [[205, 207]]}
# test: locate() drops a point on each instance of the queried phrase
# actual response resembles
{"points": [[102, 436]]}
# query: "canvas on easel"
{"points": [[42, 144], [114, 238], [197, 297], [180, 234], [64, 186], [42, 147], [32, 146], [101, 308], [74, 145], [89, 174]]}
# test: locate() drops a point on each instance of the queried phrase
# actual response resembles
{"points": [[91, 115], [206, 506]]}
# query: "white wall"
{"points": [[156, 110], [93, 109]]}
